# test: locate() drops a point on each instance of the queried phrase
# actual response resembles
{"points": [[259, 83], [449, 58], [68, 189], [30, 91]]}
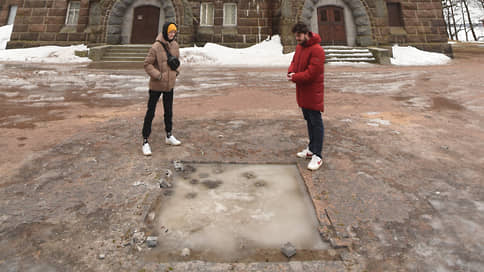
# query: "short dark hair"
{"points": [[300, 28]]}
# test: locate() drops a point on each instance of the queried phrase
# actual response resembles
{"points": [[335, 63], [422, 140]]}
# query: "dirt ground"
{"points": [[401, 188]]}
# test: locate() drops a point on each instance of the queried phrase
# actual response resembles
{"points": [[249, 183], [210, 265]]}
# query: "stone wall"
{"points": [[43, 22], [254, 24]]}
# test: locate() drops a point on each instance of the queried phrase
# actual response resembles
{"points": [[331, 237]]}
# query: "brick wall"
{"points": [[254, 23], [43, 22], [40, 22]]}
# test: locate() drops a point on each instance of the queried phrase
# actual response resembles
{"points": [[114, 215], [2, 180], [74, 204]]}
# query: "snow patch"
{"points": [[409, 55], [108, 95], [44, 54], [141, 89], [5, 33], [9, 94], [265, 54], [380, 122]]}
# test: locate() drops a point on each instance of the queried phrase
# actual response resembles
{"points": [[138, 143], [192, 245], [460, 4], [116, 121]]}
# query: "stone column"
{"points": [[287, 21]]}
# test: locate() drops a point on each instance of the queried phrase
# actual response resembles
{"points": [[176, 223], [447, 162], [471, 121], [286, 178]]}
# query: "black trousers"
{"points": [[150, 113], [315, 130]]}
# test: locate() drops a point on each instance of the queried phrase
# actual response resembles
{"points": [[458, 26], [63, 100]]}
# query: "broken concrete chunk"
{"points": [[151, 216], [168, 173], [168, 192], [188, 169], [152, 241], [218, 169], [288, 250], [185, 252], [165, 184], [204, 175], [178, 165], [249, 175], [138, 237]]}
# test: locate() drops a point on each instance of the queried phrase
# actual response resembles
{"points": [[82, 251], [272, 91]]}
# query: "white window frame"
{"points": [[205, 16], [75, 13], [12, 12], [235, 14]]}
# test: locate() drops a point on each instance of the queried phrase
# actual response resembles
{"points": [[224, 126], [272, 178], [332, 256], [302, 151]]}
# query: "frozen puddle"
{"points": [[237, 212]]}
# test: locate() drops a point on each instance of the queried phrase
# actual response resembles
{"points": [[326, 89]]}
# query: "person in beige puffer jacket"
{"points": [[162, 81]]}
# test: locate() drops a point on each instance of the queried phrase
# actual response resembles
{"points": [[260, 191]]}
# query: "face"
{"points": [[301, 37], [171, 35]]}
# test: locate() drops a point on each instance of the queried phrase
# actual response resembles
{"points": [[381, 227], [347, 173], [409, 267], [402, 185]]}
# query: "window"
{"points": [[230, 14], [11, 15], [206, 14], [394, 14], [337, 15], [94, 13], [73, 13], [324, 16]]}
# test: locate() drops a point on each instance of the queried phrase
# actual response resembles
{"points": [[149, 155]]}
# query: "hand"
{"points": [[289, 76]]}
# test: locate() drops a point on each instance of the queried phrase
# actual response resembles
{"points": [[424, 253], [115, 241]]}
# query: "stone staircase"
{"points": [[137, 53], [120, 53], [348, 54]]}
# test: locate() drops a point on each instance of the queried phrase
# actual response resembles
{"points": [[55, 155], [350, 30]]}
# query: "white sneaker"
{"points": [[172, 141], [146, 149], [315, 163], [306, 154]]}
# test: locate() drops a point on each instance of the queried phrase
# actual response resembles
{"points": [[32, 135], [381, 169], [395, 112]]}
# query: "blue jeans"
{"points": [[315, 130]]}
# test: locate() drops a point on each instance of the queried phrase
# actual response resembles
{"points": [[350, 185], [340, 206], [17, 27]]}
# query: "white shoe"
{"points": [[172, 141], [306, 154], [146, 149], [315, 163]]}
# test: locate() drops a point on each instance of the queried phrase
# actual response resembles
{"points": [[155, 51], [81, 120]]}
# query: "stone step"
{"points": [[147, 46], [137, 53], [125, 54], [118, 51], [341, 47], [366, 54], [348, 54], [347, 51], [124, 59], [351, 59]]}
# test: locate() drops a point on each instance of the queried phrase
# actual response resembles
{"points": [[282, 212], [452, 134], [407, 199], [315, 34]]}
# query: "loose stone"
{"points": [[288, 250]]}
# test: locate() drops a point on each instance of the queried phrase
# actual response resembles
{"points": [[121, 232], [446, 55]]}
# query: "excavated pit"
{"points": [[236, 212]]}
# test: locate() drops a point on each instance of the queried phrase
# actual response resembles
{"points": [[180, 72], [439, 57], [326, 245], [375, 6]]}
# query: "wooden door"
{"points": [[145, 24], [331, 24]]}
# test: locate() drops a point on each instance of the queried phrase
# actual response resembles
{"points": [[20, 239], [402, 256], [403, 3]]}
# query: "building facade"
{"points": [[235, 23]]}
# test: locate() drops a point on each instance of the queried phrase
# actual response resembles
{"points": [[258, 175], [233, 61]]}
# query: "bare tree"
{"points": [[470, 20], [464, 20], [448, 7]]}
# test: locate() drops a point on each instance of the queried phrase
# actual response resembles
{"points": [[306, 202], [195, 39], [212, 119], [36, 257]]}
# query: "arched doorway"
{"points": [[120, 23], [145, 24], [356, 20], [331, 25]]}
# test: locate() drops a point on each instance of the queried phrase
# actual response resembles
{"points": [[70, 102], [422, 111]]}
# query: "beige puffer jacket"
{"points": [[162, 78]]}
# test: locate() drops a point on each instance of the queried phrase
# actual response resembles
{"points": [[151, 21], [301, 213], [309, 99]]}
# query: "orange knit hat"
{"points": [[171, 27]]}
